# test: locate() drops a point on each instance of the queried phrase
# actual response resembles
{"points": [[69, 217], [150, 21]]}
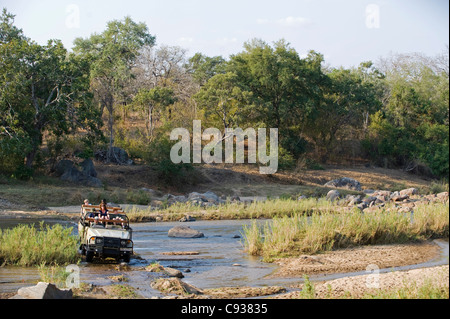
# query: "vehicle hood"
{"points": [[114, 233]]}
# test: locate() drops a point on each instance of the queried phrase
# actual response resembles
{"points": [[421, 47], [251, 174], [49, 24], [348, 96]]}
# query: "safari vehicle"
{"points": [[111, 238]]}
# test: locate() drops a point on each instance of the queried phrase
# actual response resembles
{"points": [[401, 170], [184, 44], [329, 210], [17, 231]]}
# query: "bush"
{"points": [[23, 173], [159, 158], [12, 155]]}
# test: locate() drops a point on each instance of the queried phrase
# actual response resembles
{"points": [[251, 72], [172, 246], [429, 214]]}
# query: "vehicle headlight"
{"points": [[95, 240], [126, 243]]}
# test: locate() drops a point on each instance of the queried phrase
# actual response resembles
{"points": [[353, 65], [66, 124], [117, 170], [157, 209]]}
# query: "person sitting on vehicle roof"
{"points": [[104, 213], [85, 203]]}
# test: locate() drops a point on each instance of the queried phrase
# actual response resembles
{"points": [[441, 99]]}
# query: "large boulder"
{"points": [[67, 171], [345, 182], [88, 168], [63, 166], [44, 290], [119, 156], [72, 175], [184, 232]]}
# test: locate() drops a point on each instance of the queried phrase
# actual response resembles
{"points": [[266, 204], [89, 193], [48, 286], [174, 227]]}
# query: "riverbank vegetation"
{"points": [[30, 245], [270, 208], [300, 234]]}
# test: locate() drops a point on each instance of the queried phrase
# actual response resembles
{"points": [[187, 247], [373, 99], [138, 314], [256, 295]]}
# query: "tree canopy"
{"points": [[393, 112]]}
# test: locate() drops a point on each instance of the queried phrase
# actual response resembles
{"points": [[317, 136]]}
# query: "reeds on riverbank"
{"points": [[328, 230], [27, 245], [232, 210]]}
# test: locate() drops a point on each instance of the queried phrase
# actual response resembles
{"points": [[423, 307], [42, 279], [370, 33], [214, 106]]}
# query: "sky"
{"points": [[346, 32]]}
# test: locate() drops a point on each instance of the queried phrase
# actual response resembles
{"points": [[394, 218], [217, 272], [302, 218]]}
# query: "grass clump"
{"points": [[328, 230], [27, 245]]}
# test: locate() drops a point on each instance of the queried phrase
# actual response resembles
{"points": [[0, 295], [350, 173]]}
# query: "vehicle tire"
{"points": [[89, 256], [126, 258]]}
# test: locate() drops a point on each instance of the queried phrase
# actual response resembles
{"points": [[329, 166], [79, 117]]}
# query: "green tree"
{"points": [[202, 67], [347, 101], [42, 89], [275, 76], [113, 54], [222, 100], [411, 130], [280, 86], [158, 97]]}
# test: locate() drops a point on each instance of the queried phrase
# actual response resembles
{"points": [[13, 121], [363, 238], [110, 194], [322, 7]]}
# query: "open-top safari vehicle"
{"points": [[105, 238]]}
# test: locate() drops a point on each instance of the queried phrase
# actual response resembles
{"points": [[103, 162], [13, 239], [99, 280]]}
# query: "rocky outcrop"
{"points": [[404, 200], [345, 182]]}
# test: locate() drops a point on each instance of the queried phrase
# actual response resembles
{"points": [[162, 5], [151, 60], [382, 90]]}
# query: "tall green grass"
{"points": [[27, 245], [328, 230]]}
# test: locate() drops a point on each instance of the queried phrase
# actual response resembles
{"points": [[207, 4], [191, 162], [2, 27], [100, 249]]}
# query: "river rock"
{"points": [[175, 285], [184, 232], [172, 272], [44, 290]]}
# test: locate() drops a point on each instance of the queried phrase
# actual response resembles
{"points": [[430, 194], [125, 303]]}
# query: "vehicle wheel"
{"points": [[126, 258], [89, 256]]}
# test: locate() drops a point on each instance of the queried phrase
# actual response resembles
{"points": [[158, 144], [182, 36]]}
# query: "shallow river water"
{"points": [[221, 260]]}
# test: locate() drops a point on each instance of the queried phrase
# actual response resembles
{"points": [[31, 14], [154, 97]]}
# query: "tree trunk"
{"points": [[110, 107], [29, 159], [150, 121]]}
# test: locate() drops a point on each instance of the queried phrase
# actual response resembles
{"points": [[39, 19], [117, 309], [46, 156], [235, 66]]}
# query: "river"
{"points": [[220, 262]]}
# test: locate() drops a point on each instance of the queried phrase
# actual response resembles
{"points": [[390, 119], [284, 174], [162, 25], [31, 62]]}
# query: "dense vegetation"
{"points": [[117, 88], [27, 245]]}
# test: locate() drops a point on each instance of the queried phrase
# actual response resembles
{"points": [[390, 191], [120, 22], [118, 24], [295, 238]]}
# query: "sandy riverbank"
{"points": [[359, 286], [357, 259]]}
